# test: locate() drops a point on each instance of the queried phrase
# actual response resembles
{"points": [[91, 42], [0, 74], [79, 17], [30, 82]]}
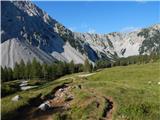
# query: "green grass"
{"points": [[134, 98], [8, 108]]}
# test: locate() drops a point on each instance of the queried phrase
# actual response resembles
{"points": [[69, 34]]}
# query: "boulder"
{"points": [[69, 98], [44, 106], [16, 98]]}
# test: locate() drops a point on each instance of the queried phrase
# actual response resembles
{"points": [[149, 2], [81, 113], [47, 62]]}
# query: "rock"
{"points": [[61, 90], [45, 106], [16, 98], [69, 98], [27, 87], [97, 104], [79, 86], [24, 83]]}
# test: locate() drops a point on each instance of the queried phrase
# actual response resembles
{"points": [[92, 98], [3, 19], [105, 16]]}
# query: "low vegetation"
{"points": [[40, 71], [134, 90], [137, 59]]}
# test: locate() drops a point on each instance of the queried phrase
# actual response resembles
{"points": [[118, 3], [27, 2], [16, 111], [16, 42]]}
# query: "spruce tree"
{"points": [[71, 67], [16, 71], [28, 70], [22, 69], [54, 70], [87, 66], [9, 74], [36, 70], [45, 71], [3, 75], [60, 68]]}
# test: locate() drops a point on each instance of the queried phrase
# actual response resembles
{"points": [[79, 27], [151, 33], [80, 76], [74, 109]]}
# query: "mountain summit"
{"points": [[28, 32]]}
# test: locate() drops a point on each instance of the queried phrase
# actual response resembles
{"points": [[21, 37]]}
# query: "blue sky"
{"points": [[102, 17]]}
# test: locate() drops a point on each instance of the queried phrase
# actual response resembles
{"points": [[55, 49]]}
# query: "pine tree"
{"points": [[60, 68], [22, 69], [9, 74], [45, 71], [28, 70], [54, 70], [87, 67], [71, 67], [36, 70], [16, 71], [3, 76]]}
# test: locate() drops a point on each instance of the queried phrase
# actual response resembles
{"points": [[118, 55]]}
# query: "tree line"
{"points": [[35, 69], [137, 59]]}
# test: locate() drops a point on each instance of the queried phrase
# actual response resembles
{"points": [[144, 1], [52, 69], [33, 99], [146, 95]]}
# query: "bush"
{"points": [[7, 90]]}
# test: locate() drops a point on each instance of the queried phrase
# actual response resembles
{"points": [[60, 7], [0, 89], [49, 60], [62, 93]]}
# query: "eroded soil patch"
{"points": [[42, 108], [108, 109]]}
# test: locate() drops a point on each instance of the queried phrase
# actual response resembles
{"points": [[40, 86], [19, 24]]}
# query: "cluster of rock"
{"points": [[24, 85], [62, 97]]}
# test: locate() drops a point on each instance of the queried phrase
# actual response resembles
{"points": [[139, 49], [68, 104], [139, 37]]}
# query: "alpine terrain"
{"points": [[28, 32], [49, 72]]}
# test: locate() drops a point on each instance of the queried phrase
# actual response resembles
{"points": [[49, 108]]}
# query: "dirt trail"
{"points": [[58, 101], [43, 108], [109, 108]]}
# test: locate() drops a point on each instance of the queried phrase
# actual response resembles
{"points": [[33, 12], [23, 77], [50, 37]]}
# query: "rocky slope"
{"points": [[143, 41], [27, 32]]}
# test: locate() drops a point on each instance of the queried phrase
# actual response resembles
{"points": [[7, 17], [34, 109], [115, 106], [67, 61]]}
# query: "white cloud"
{"points": [[91, 30], [129, 29], [141, 1], [83, 25]]}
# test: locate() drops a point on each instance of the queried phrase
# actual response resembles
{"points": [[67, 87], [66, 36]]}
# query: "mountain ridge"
{"points": [[28, 32]]}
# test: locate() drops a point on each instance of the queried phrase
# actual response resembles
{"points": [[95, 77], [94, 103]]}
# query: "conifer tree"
{"points": [[28, 70], [36, 70], [71, 67], [22, 69], [17, 72], [3, 75], [87, 66]]}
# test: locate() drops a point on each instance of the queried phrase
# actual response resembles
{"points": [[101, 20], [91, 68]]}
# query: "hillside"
{"points": [[28, 32], [132, 92]]}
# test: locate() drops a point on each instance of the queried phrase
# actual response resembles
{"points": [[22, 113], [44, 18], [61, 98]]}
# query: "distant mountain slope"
{"points": [[27, 32], [116, 44]]}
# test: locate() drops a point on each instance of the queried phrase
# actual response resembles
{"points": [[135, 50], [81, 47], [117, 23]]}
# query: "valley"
{"points": [[118, 93], [53, 72]]}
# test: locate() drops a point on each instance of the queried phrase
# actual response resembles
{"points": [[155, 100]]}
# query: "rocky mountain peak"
{"points": [[28, 32]]}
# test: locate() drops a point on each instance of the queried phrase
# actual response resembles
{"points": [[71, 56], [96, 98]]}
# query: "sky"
{"points": [[103, 17]]}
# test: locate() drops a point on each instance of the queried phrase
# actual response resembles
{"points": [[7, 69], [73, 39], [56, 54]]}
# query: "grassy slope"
{"points": [[134, 97], [8, 108]]}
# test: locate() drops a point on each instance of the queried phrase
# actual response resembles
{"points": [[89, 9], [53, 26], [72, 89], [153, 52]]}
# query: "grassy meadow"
{"points": [[134, 90]]}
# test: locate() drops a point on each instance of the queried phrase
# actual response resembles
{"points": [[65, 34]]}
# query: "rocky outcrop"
{"points": [[28, 32]]}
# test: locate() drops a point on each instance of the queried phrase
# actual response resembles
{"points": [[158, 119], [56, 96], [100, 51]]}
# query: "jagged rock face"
{"points": [[27, 32], [116, 44], [30, 32]]}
